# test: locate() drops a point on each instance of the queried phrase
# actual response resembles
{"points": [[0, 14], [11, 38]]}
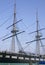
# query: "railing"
{"points": [[17, 57]]}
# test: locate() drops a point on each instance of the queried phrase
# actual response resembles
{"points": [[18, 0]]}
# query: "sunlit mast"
{"points": [[14, 30], [37, 36]]}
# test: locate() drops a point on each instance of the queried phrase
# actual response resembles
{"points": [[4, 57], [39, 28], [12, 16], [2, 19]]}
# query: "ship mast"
{"points": [[37, 36], [14, 30]]}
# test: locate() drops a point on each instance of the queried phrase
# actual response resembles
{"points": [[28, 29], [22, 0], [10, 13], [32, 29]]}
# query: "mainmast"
{"points": [[37, 36], [14, 30]]}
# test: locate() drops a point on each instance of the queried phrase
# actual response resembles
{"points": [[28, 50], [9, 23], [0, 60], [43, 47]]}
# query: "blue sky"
{"points": [[26, 10]]}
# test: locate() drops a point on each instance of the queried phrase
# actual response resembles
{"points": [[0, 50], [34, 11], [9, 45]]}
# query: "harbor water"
{"points": [[14, 64], [19, 64]]}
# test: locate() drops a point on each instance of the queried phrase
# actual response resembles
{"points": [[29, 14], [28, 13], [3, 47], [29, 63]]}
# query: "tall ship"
{"points": [[20, 56]]}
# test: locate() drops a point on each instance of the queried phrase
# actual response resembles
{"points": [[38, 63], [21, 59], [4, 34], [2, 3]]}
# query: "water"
{"points": [[19, 64], [14, 64]]}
